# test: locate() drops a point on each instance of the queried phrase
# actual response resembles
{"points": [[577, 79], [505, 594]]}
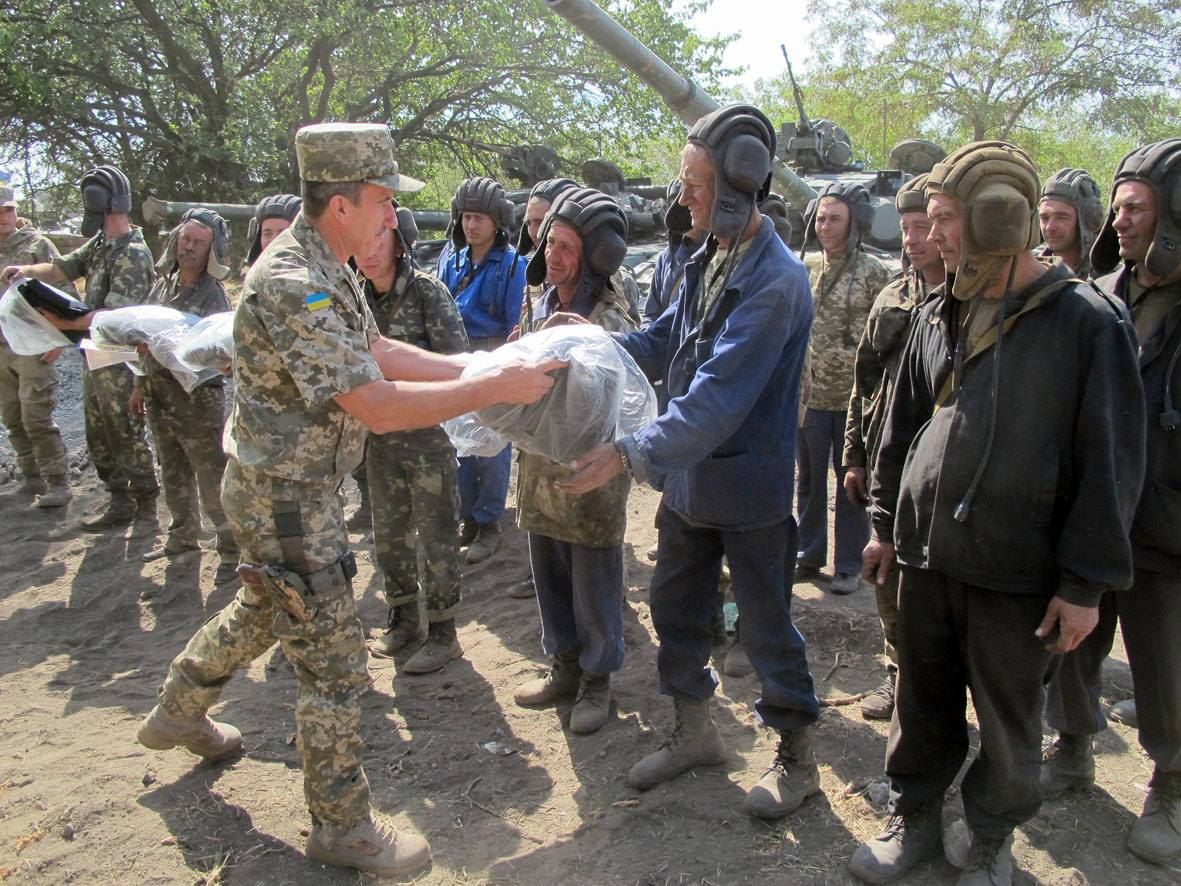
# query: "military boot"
{"points": [[879, 704], [792, 777], [1156, 835], [361, 520], [562, 680], [56, 495], [486, 543], [200, 735], [1069, 765], [906, 841], [32, 486], [120, 512], [592, 709], [402, 630], [441, 646], [990, 863], [145, 522], [372, 845], [694, 741]]}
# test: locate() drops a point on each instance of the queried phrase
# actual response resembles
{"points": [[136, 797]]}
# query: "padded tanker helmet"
{"points": [[853, 195], [104, 190], [775, 208], [1159, 166], [547, 190], [912, 196], [741, 142], [480, 194], [1076, 187], [285, 206], [997, 186], [217, 265], [601, 225]]}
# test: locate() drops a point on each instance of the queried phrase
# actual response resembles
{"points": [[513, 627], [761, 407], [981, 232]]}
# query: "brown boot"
{"points": [[372, 845], [486, 543], [57, 495], [560, 681], [145, 522], [1069, 765], [120, 512], [200, 735], [592, 710], [879, 704], [694, 742], [441, 646], [792, 778], [404, 629], [32, 486]]}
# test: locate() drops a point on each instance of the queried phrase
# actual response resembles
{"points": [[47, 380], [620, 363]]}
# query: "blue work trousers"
{"points": [[684, 598], [821, 441], [483, 486]]}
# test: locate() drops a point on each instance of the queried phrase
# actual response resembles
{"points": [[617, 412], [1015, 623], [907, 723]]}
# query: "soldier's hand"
{"points": [[50, 356], [598, 467], [514, 334], [877, 562], [563, 319], [135, 403], [855, 488], [521, 382], [1066, 625], [10, 273]]}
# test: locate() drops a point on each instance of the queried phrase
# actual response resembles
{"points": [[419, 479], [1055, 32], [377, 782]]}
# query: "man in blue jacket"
{"points": [[487, 279], [730, 355]]}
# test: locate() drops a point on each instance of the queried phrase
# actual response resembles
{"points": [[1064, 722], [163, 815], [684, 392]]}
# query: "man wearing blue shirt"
{"points": [[487, 279]]}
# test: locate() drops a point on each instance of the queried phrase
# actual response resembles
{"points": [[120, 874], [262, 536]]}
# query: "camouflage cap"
{"points": [[7, 196], [350, 152]]}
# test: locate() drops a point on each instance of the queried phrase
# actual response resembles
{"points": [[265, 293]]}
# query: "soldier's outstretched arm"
{"points": [[47, 272], [385, 406], [400, 361]]}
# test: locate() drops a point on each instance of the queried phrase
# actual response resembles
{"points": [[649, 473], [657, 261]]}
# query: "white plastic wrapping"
{"points": [[210, 343], [25, 330], [156, 326], [469, 437], [602, 395]]}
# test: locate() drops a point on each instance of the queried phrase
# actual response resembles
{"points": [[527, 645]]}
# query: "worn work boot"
{"points": [[879, 704], [1069, 765], [592, 710], [120, 512], [372, 845], [562, 680], [202, 736], [56, 495], [32, 486], [694, 741], [170, 548], [1124, 712], [792, 778], [404, 629], [524, 589], [227, 572], [1156, 835], [906, 841], [736, 663], [145, 522], [486, 543], [441, 646], [990, 863]]}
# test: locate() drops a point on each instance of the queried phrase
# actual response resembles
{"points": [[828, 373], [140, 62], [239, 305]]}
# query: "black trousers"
{"points": [[1150, 617], [954, 637]]}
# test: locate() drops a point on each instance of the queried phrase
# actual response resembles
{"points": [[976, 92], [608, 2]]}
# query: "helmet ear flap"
{"points": [[999, 220], [746, 164]]}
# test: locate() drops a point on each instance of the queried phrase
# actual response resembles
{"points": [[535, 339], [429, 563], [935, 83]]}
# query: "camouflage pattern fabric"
{"points": [[349, 152], [28, 386], [187, 427], [118, 272], [599, 518], [302, 334], [412, 474], [843, 293]]}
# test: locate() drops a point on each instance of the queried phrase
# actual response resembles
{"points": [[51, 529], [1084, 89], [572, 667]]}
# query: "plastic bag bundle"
{"points": [[25, 330], [160, 328], [602, 395], [469, 437], [210, 343]]}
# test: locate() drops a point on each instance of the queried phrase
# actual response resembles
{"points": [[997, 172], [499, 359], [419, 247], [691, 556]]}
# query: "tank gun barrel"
{"points": [[686, 98], [805, 123]]}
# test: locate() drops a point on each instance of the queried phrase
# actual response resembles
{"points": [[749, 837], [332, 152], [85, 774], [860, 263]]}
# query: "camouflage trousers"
{"points": [[328, 653], [116, 439], [28, 393], [415, 504], [187, 429]]}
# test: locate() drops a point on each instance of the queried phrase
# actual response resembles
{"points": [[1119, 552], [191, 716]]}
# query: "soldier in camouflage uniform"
{"points": [[576, 541], [411, 475], [28, 384], [187, 426], [874, 371], [312, 373], [845, 280], [118, 269]]}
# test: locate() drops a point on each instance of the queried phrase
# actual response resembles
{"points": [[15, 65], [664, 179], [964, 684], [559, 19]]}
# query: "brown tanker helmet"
{"points": [[1079, 189], [997, 186], [1159, 166], [912, 196]]}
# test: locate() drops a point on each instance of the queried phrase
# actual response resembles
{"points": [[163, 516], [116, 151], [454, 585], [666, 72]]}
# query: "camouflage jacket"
{"points": [[419, 311], [876, 365], [118, 272], [206, 296], [302, 334], [28, 246], [841, 301], [599, 518]]}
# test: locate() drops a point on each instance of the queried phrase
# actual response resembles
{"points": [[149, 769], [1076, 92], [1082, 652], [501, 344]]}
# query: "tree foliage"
{"points": [[201, 98]]}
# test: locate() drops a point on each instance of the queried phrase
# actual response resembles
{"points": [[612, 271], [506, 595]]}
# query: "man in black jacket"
{"points": [[1140, 239], [1010, 464]]}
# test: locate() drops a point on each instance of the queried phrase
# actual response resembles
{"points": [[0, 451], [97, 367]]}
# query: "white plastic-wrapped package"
{"points": [[210, 343], [469, 437], [160, 328], [25, 330], [602, 395]]}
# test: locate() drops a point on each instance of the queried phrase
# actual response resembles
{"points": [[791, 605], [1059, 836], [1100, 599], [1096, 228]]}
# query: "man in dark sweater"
{"points": [[1010, 464]]}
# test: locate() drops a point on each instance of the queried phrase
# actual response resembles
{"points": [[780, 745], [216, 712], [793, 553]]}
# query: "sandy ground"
{"points": [[504, 794]]}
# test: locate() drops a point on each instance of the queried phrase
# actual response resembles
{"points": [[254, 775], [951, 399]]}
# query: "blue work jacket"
{"points": [[490, 303]]}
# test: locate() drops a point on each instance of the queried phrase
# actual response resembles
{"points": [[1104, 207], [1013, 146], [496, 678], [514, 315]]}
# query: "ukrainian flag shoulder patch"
{"points": [[317, 301]]}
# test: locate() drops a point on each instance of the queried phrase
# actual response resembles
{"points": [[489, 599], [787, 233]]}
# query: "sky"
{"points": [[762, 25]]}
